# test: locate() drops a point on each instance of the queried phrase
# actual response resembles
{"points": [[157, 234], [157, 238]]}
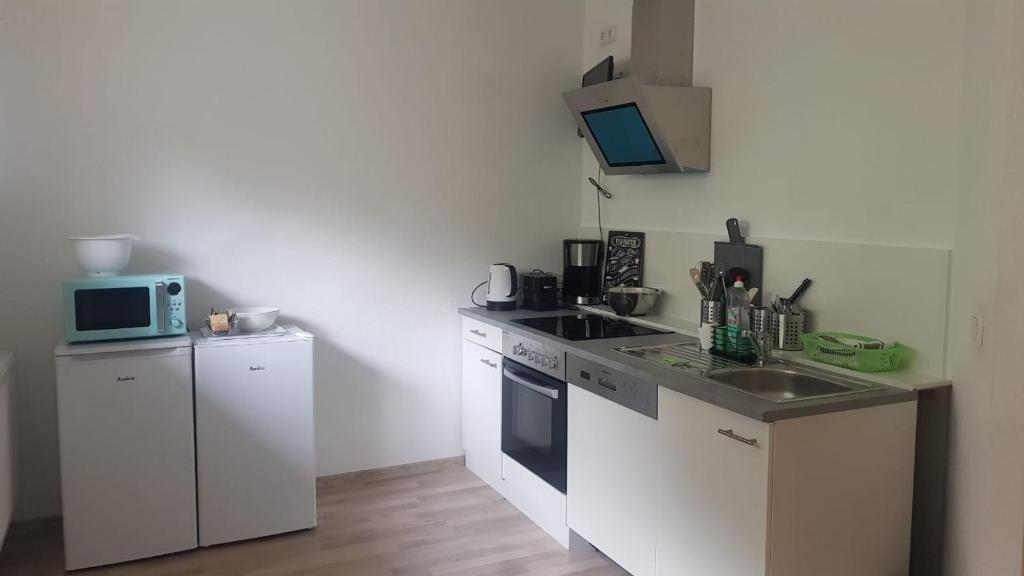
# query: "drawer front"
{"points": [[482, 334]]}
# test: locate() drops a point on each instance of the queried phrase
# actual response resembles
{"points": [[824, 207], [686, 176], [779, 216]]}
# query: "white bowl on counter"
{"points": [[255, 318], [103, 255]]}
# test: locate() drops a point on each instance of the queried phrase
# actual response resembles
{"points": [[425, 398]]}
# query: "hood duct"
{"points": [[652, 121]]}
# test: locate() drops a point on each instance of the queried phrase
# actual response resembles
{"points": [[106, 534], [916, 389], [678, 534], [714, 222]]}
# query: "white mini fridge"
{"points": [[255, 435], [127, 452]]}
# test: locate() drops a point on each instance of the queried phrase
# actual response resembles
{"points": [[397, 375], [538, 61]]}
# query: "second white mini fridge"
{"points": [[255, 439]]}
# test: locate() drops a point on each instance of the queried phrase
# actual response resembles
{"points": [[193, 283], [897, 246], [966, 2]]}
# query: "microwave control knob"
{"points": [[173, 288], [176, 323]]}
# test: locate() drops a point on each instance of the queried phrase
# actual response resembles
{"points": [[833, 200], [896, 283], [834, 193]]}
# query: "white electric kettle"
{"points": [[502, 287]]}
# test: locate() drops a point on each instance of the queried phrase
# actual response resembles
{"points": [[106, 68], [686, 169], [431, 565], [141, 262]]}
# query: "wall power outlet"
{"points": [[608, 35]]}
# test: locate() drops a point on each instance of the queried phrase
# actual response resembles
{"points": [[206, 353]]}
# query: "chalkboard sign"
{"points": [[624, 265]]}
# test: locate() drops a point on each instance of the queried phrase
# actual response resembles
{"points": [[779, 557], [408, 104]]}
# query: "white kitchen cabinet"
{"points": [[481, 411], [713, 513], [612, 481], [823, 494]]}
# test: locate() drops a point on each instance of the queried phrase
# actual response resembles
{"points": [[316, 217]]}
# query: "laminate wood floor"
{"points": [[428, 519]]}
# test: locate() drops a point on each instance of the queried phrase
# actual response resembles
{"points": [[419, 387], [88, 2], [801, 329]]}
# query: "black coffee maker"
{"points": [[581, 283]]}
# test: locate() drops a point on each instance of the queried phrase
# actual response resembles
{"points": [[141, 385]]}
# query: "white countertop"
{"points": [[291, 333], [66, 349], [904, 379]]}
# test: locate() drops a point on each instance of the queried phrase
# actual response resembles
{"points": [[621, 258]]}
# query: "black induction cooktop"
{"points": [[587, 327]]}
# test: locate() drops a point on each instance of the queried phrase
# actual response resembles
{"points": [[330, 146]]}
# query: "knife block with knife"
{"points": [[737, 258]]}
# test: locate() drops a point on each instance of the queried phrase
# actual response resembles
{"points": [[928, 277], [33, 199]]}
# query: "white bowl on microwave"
{"points": [[255, 318], [103, 255]]}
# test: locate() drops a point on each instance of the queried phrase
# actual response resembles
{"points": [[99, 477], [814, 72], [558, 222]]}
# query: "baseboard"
{"points": [[31, 526], [410, 469]]}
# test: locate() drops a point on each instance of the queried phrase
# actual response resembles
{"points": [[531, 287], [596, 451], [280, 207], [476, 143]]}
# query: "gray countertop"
{"points": [[604, 353]]}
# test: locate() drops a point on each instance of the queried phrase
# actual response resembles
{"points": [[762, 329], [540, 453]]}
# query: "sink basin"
{"points": [[785, 384]]}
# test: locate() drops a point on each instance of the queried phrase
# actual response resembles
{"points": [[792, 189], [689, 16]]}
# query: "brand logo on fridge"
{"points": [[126, 378], [257, 368]]}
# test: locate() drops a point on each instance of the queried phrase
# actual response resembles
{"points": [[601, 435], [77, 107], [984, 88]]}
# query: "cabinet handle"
{"points": [[735, 436], [478, 333], [489, 363]]}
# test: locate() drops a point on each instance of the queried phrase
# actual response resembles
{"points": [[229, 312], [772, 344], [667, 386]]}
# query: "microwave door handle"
{"points": [[544, 390], [161, 309]]}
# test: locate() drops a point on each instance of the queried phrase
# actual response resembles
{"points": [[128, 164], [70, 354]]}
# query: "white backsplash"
{"points": [[890, 292]]}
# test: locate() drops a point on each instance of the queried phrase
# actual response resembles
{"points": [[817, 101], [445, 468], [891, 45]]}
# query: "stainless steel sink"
{"points": [[786, 383]]}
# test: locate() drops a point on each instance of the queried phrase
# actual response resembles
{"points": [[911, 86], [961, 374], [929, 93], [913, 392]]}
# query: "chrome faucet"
{"points": [[761, 342]]}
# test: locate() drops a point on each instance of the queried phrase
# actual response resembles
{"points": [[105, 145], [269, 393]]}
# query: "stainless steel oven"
{"points": [[533, 420]]}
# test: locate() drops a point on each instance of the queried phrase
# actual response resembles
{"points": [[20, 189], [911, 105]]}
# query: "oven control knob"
{"points": [[531, 356], [554, 361], [544, 361], [516, 349]]}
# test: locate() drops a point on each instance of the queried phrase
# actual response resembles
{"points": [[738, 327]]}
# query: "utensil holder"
{"points": [[712, 312], [761, 320], [786, 330]]}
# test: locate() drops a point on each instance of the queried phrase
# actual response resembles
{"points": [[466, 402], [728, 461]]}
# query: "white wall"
{"points": [[356, 163], [985, 530], [834, 124], [891, 123], [830, 121]]}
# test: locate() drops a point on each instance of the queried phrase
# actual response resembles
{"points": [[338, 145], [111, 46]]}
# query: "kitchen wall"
{"points": [[831, 121], [985, 529], [358, 164], [834, 137], [870, 126]]}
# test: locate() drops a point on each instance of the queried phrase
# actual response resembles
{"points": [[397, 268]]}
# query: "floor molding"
{"points": [[40, 525]]}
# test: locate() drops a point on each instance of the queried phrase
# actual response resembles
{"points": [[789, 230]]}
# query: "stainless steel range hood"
{"points": [[654, 120]]}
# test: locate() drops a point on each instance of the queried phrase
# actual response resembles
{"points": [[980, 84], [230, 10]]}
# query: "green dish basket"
{"points": [[857, 359], [731, 345]]}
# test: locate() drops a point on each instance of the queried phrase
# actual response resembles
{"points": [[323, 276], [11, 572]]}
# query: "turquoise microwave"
{"points": [[120, 307]]}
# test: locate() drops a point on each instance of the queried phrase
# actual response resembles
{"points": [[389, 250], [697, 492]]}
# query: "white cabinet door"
{"points": [[481, 411], [255, 443], [127, 455], [712, 489], [612, 499]]}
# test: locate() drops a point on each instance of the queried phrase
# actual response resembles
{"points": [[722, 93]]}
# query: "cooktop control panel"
{"points": [[533, 354]]}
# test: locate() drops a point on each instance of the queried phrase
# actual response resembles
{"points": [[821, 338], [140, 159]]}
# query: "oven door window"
{"points": [[533, 422], [112, 308]]}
